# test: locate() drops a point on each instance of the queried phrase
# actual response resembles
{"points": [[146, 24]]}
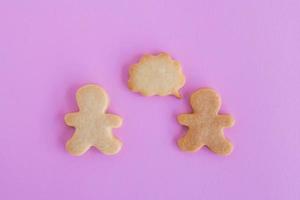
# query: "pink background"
{"points": [[246, 50]]}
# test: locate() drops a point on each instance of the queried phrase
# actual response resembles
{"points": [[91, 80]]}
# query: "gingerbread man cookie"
{"points": [[93, 127], [205, 124], [156, 75]]}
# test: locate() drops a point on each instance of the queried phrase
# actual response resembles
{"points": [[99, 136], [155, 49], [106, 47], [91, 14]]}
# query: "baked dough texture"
{"points": [[156, 75]]}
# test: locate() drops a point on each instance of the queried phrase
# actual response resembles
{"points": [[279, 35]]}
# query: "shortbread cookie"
{"points": [[156, 75], [93, 127], [205, 125]]}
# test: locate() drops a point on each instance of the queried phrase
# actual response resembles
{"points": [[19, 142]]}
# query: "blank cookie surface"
{"points": [[156, 75]]}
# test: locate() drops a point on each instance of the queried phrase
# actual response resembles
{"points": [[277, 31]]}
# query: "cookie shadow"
{"points": [[126, 66], [180, 130], [69, 105]]}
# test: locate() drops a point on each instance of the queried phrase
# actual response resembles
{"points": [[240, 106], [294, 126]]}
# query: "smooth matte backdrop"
{"points": [[249, 51]]}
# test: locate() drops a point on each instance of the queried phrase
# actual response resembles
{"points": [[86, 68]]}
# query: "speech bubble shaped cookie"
{"points": [[156, 75], [205, 125], [93, 126]]}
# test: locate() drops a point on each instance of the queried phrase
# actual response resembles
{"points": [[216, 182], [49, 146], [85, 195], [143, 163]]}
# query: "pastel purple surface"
{"points": [[247, 50]]}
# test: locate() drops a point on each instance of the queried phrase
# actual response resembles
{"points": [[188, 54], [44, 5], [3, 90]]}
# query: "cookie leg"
{"points": [[220, 146], [190, 142], [109, 146], [77, 145]]}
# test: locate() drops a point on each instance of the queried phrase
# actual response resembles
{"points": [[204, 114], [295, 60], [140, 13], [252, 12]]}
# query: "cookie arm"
{"points": [[71, 119], [185, 119], [225, 120], [113, 121]]}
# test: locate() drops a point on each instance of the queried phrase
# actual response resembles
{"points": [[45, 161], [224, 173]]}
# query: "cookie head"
{"points": [[92, 98], [205, 101], [156, 75]]}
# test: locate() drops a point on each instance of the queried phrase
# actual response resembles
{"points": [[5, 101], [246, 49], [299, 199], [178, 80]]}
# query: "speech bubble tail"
{"points": [[177, 95]]}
